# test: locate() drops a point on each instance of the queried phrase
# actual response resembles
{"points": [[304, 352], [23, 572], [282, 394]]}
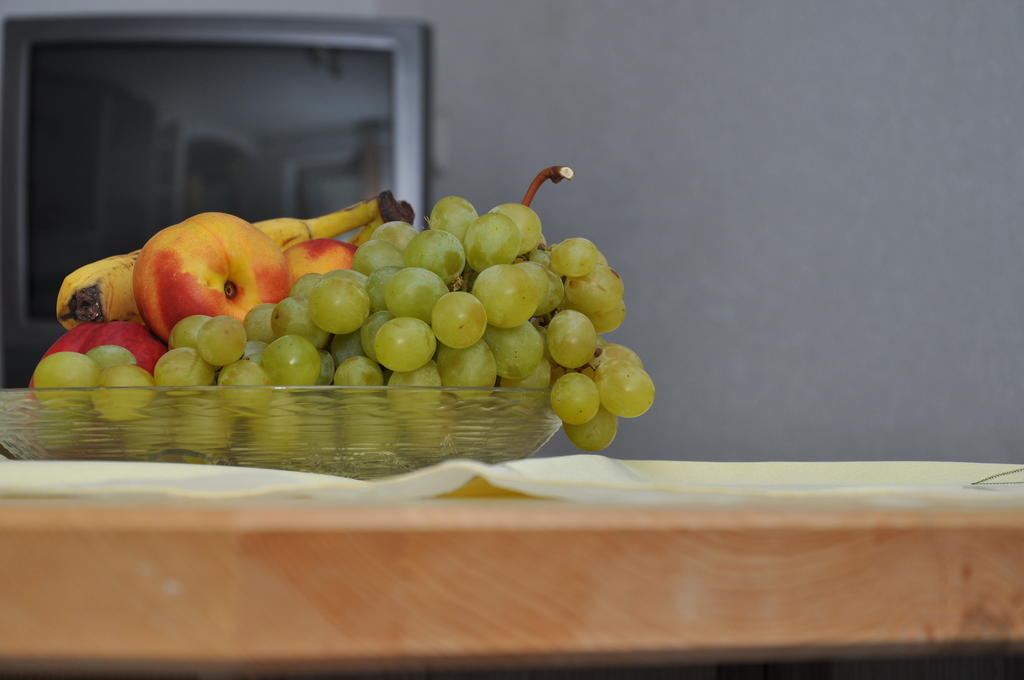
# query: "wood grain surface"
{"points": [[448, 584]]}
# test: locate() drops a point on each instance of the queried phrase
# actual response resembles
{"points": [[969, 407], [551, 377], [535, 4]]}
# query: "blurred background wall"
{"points": [[816, 206]]}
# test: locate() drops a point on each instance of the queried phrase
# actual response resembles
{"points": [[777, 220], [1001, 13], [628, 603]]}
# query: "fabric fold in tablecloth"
{"points": [[578, 478]]}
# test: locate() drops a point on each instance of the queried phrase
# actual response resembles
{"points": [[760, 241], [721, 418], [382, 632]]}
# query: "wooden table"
{"points": [[448, 584]]}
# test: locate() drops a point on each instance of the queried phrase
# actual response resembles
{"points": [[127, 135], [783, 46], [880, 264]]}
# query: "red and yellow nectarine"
{"points": [[213, 264]]}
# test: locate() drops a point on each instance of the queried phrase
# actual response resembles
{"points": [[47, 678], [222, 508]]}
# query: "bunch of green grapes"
{"points": [[471, 301], [544, 310]]}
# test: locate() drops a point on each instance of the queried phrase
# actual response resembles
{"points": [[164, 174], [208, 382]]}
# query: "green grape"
{"points": [[291, 317], [66, 369], [517, 350], [305, 284], [426, 375], [245, 373], [183, 334], [575, 399], [397, 233], [358, 370], [200, 426], [439, 251], [595, 434], [491, 239], [404, 344], [458, 319], [539, 277], [611, 351], [573, 257], [326, 368], [540, 377], [183, 366], [291, 360], [221, 340], [258, 323], [601, 259], [507, 294], [123, 404], [526, 221], [153, 433], [571, 338], [339, 305], [554, 294], [541, 257], [413, 292], [610, 319], [345, 346], [453, 214], [626, 389], [416, 402], [111, 355], [369, 430], [368, 333], [254, 350], [473, 366], [273, 428], [375, 254], [348, 274], [600, 290], [376, 286]]}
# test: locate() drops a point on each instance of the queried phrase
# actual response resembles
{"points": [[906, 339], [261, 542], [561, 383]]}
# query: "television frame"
{"points": [[407, 41]]}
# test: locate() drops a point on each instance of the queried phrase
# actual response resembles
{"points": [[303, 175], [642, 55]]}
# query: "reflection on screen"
{"points": [[125, 139]]}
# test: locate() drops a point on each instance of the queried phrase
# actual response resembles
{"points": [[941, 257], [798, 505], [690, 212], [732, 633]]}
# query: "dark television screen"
{"points": [[127, 138]]}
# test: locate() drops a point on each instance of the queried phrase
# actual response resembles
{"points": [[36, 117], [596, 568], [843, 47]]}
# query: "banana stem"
{"points": [[555, 173], [389, 209], [394, 210]]}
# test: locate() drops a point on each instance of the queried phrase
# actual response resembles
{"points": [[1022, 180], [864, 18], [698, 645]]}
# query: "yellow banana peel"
{"points": [[99, 291]]}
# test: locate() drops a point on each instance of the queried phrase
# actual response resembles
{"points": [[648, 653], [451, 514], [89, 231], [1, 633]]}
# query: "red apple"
{"points": [[213, 264], [132, 336], [318, 256]]}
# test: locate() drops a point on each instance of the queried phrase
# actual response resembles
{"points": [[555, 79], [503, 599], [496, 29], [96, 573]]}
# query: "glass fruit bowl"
{"points": [[359, 432]]}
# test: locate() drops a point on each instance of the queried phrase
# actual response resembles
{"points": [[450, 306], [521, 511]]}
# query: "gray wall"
{"points": [[816, 206]]}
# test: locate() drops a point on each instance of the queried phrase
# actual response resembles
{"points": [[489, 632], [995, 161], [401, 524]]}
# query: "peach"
{"points": [[213, 264], [318, 256]]}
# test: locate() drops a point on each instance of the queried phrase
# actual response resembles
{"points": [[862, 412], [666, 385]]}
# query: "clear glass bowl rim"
{"points": [[282, 388]]}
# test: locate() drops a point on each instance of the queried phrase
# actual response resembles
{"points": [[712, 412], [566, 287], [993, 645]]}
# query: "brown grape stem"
{"points": [[555, 173]]}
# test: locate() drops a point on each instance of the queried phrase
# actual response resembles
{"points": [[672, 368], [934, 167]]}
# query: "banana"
{"points": [[99, 291], [287, 231], [102, 290]]}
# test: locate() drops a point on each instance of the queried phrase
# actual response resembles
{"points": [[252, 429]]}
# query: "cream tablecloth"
{"points": [[578, 478]]}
